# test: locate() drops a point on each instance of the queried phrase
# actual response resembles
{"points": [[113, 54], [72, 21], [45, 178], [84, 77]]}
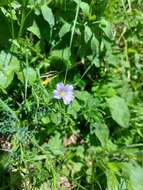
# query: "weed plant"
{"points": [[71, 81]]}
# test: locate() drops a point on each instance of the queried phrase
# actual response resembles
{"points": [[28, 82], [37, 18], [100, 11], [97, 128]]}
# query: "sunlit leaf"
{"points": [[87, 34], [119, 111], [48, 15], [112, 181], [85, 8], [64, 29], [35, 29]]}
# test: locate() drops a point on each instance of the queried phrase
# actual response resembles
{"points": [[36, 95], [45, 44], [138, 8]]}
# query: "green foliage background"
{"points": [[96, 142]]}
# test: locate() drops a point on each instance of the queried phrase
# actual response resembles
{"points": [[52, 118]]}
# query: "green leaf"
{"points": [[55, 145], [94, 60], [119, 111], [64, 29], [7, 109], [45, 119], [94, 45], [87, 34], [31, 75], [74, 108], [135, 174], [102, 133], [112, 181], [85, 8], [35, 29], [3, 80], [106, 28], [76, 167], [8, 62], [9, 65], [48, 15], [5, 2], [83, 95], [63, 54]]}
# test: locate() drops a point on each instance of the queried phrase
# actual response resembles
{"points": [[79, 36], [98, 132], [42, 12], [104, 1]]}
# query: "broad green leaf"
{"points": [[31, 75], [64, 29], [5, 59], [119, 111], [102, 133], [9, 65], [85, 8], [3, 80], [8, 62], [135, 175], [87, 34], [28, 74], [106, 27], [48, 15]]}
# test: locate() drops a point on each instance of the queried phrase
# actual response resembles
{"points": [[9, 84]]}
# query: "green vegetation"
{"points": [[96, 141]]}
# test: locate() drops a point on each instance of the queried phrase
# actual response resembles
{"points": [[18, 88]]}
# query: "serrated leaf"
{"points": [[48, 15], [55, 145], [119, 111]]}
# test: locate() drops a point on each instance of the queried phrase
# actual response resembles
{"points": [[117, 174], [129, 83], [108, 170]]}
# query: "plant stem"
{"points": [[72, 34]]}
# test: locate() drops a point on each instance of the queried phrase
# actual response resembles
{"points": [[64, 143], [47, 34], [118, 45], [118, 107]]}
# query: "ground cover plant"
{"points": [[71, 81]]}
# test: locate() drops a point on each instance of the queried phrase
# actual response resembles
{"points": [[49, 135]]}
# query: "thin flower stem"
{"points": [[74, 24]]}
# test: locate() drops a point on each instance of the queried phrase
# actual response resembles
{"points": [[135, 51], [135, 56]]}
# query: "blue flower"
{"points": [[64, 92]]}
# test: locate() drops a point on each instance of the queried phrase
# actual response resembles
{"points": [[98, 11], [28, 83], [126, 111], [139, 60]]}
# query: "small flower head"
{"points": [[64, 92]]}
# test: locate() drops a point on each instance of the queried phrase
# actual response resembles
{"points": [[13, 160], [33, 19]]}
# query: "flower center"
{"points": [[61, 93]]}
